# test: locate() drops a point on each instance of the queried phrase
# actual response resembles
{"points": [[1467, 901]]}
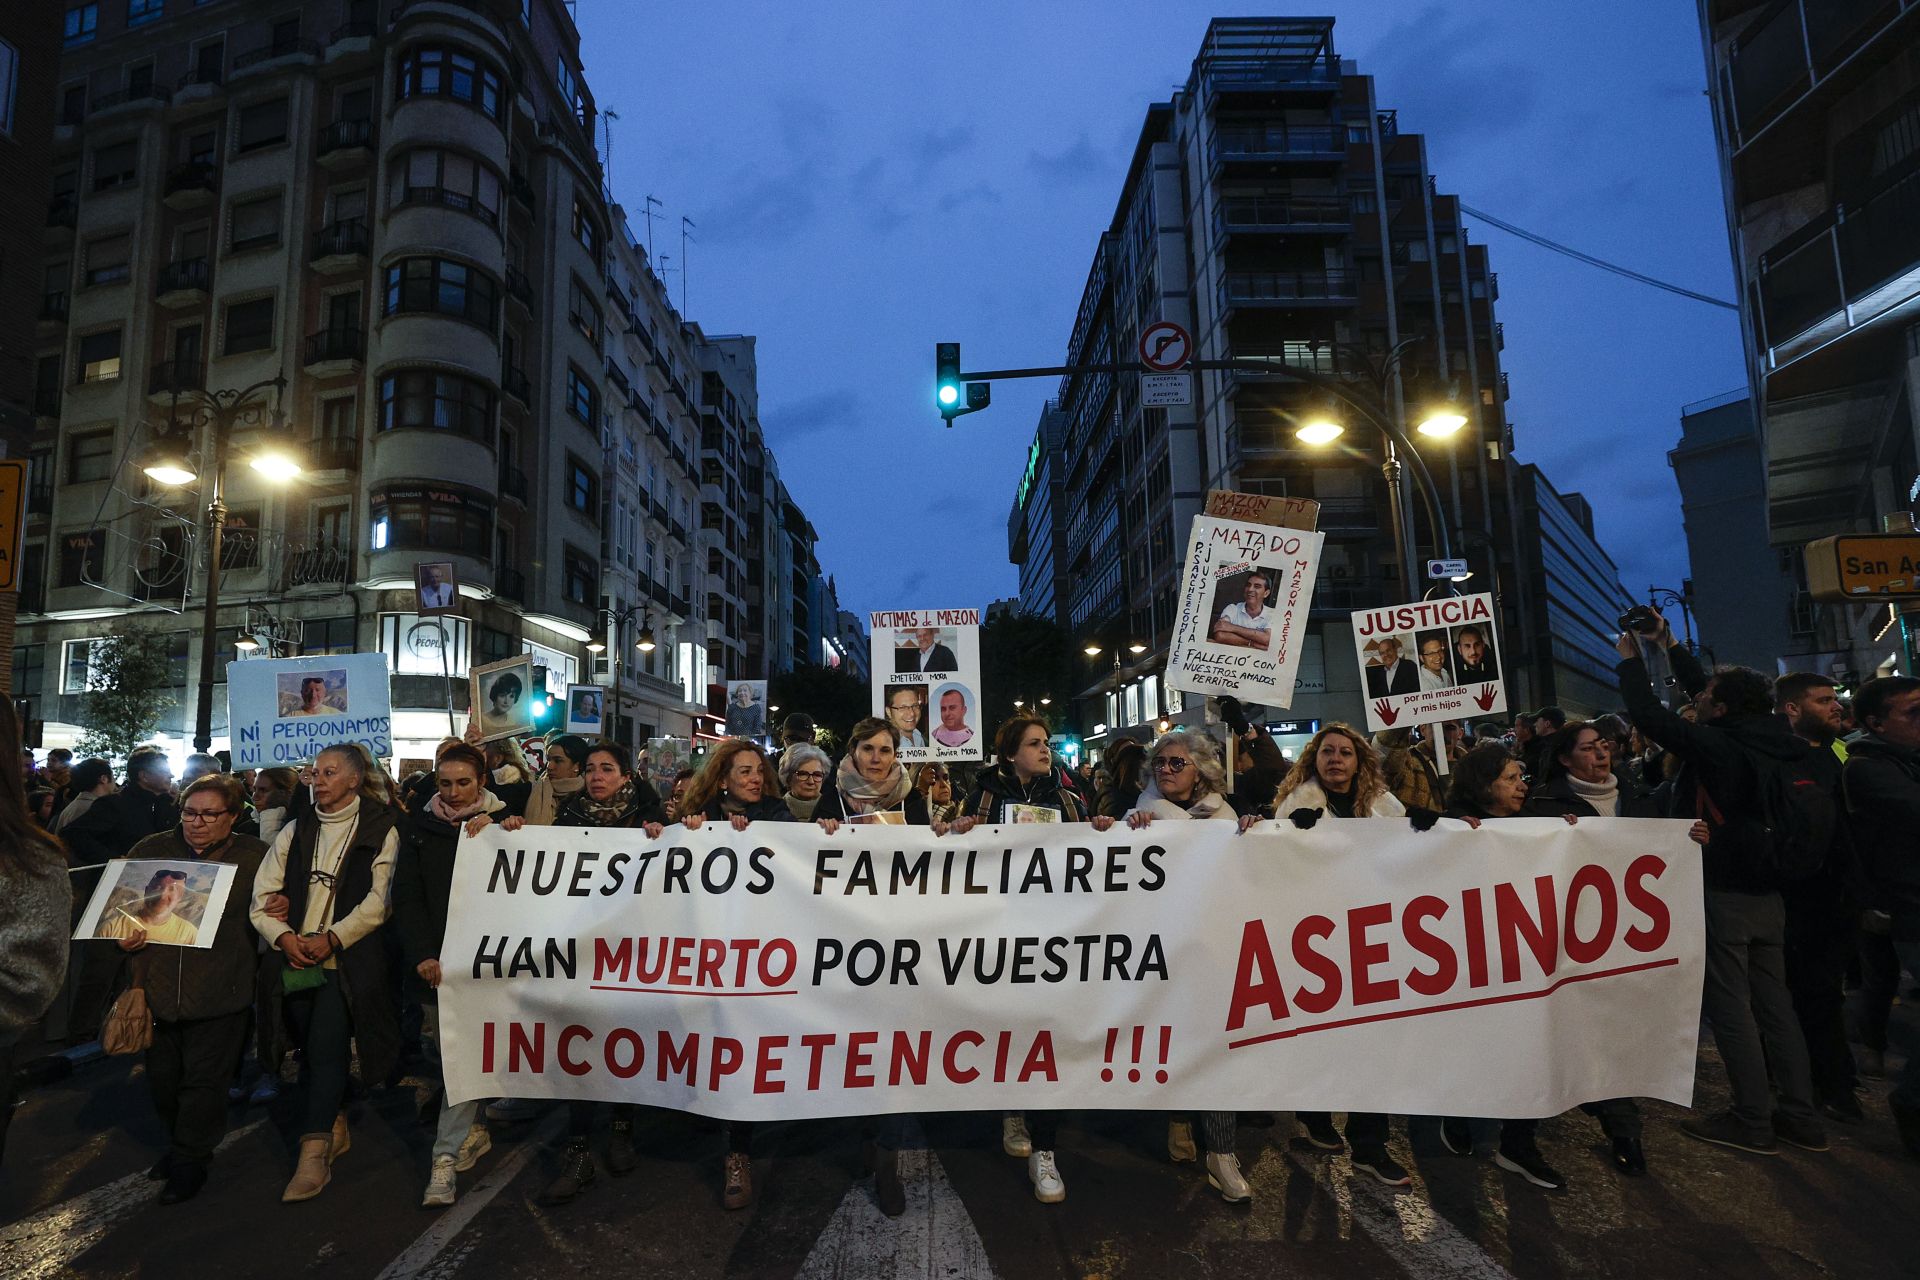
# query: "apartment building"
{"points": [[1036, 539]]}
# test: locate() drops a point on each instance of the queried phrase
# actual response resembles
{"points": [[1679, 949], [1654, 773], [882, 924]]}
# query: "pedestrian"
{"points": [[40, 807], [803, 771], [272, 797], [1410, 772], [1258, 764], [1339, 774], [735, 784], [200, 765], [1024, 786], [934, 782], [871, 785], [422, 887], [1881, 783], [677, 794], [509, 776], [1727, 757], [92, 779], [1577, 778], [36, 909], [1126, 763], [560, 782], [58, 775], [200, 998], [330, 871], [115, 823], [1187, 782]]}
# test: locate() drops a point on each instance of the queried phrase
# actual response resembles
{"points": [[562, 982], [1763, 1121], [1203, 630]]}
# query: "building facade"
{"points": [[398, 215], [1275, 209], [1036, 537], [1575, 592], [1817, 114]]}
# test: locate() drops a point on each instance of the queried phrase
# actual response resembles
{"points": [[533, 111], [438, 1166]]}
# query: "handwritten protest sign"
{"points": [[781, 973], [1246, 590], [1430, 661], [281, 711], [926, 681]]}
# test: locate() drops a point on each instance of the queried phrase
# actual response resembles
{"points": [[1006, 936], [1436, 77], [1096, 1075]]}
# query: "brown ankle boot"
{"points": [[342, 1141], [737, 1182], [312, 1174]]}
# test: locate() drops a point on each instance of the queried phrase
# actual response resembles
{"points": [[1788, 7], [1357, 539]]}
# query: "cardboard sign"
{"points": [[1259, 508], [1245, 593], [282, 711], [1435, 660], [926, 682]]}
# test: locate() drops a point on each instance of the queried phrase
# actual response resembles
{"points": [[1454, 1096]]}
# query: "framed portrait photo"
{"points": [[502, 696], [436, 588]]}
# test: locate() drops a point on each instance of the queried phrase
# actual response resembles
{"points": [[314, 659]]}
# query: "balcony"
{"points": [[510, 584], [182, 284], [344, 142], [46, 402], [1784, 56], [513, 484], [1285, 288], [514, 382], [340, 246], [190, 185], [172, 378], [53, 307], [307, 51], [1265, 215], [519, 288], [40, 500], [143, 98], [1278, 144], [333, 453], [199, 84], [522, 189], [351, 31], [332, 352], [62, 213], [447, 197]]}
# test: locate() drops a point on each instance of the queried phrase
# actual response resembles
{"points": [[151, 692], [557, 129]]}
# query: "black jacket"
{"points": [[768, 809], [422, 884], [193, 982], [114, 824], [1882, 802], [834, 805], [998, 788], [1558, 798], [1720, 759], [573, 811]]}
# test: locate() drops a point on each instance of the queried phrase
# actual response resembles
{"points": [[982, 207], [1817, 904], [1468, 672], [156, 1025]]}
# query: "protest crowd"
{"points": [[322, 978]]}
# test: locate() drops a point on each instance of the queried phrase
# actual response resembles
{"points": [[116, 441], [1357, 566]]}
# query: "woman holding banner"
{"points": [[1339, 774], [803, 771], [871, 785], [1023, 786], [561, 782], [1187, 782]]}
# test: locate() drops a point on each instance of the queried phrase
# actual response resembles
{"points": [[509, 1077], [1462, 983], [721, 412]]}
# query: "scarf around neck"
{"points": [[862, 796], [1604, 796], [439, 808], [604, 813]]}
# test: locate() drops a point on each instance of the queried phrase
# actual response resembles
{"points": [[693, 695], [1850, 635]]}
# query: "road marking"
{"points": [[934, 1237], [428, 1256], [45, 1245], [1404, 1225]]}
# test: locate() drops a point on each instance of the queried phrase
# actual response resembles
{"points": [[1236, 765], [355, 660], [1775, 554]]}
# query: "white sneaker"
{"points": [[1224, 1176], [476, 1144], [1048, 1186], [440, 1184], [1014, 1139]]}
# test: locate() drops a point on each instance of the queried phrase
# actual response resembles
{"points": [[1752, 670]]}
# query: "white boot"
{"points": [[1014, 1139], [1224, 1176], [440, 1184], [1048, 1186]]}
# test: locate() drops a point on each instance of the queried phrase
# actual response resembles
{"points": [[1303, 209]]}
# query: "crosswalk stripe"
{"points": [[429, 1256], [934, 1237]]}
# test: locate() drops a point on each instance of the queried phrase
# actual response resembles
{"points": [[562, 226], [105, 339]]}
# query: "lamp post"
{"points": [[168, 463], [615, 620], [1657, 596]]}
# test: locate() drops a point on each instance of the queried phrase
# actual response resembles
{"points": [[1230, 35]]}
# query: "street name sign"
{"points": [[1864, 566]]}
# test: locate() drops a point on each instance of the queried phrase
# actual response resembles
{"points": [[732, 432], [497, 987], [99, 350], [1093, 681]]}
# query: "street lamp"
{"points": [[616, 619], [167, 463]]}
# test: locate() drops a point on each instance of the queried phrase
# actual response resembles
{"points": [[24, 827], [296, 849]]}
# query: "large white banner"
{"points": [[1430, 661], [1246, 590], [1512, 971], [926, 680]]}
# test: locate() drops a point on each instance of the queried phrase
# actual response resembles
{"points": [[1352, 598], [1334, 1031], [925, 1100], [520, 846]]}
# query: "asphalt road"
{"points": [[76, 1203]]}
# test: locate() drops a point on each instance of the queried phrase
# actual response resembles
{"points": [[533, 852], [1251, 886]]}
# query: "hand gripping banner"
{"points": [[778, 973]]}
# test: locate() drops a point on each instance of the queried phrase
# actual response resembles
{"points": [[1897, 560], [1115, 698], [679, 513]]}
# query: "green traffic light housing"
{"points": [[950, 395]]}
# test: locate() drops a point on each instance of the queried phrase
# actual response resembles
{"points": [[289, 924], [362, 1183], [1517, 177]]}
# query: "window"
{"points": [[100, 356], [113, 165], [434, 72], [9, 84], [580, 578], [338, 420], [438, 401], [77, 659], [208, 60], [261, 124], [449, 288], [494, 645], [585, 229], [326, 636], [583, 402], [447, 178], [141, 12], [249, 326], [583, 487], [254, 223], [29, 670], [139, 79], [82, 557], [585, 315], [435, 517], [73, 103], [82, 21], [89, 457], [107, 259]]}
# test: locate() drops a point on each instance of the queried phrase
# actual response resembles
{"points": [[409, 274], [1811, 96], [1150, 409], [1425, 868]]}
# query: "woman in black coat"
{"points": [[870, 784]]}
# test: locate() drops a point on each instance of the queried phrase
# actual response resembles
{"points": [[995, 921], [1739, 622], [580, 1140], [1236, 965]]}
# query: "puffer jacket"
{"points": [[1881, 790]]}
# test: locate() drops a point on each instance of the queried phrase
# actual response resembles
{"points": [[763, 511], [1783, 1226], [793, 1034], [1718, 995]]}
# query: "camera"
{"points": [[1641, 620]]}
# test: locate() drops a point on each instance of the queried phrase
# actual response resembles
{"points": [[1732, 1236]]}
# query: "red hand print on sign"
{"points": [[1484, 699], [1385, 710]]}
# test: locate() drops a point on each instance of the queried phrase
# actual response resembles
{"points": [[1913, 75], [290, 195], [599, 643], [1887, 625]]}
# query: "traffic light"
{"points": [[950, 395], [545, 707]]}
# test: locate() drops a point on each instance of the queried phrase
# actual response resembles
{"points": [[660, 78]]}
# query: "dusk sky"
{"points": [[868, 179]]}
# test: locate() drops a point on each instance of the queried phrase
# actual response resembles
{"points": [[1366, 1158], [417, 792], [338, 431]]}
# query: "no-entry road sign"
{"points": [[1165, 346]]}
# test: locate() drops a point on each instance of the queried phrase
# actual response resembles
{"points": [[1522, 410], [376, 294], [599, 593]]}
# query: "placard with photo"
{"points": [[926, 681], [502, 695], [172, 902]]}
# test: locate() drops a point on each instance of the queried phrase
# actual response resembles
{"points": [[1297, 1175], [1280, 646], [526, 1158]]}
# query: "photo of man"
{"points": [[925, 649], [1473, 660], [906, 709], [312, 693], [435, 588], [156, 912], [1241, 617], [583, 709], [1389, 673], [1434, 673], [955, 702]]}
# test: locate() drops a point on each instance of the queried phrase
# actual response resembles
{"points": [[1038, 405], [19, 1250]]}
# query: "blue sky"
{"points": [[868, 179]]}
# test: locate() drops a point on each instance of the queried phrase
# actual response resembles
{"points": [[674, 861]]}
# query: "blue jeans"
{"points": [[455, 1118]]}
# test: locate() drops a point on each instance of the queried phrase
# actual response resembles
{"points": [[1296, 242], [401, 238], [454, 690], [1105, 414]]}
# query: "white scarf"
{"points": [[1603, 796], [1210, 805]]}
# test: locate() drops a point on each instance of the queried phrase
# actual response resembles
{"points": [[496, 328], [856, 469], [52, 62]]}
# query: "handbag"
{"points": [[294, 980], [128, 1027]]}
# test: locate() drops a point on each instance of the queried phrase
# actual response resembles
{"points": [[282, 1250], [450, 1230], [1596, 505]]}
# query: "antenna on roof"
{"points": [[686, 225]]}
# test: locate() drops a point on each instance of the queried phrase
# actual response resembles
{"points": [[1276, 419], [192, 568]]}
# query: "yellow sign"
{"points": [[1864, 566], [13, 520]]}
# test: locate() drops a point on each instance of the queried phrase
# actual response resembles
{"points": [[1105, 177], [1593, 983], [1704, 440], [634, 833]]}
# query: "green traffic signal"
{"points": [[951, 397]]}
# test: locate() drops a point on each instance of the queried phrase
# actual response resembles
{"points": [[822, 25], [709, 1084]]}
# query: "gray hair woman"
{"points": [[1187, 781], [803, 772]]}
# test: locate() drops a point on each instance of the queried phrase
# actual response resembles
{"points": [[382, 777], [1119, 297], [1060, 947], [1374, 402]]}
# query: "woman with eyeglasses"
{"points": [[1024, 786], [803, 772], [199, 997], [1186, 781]]}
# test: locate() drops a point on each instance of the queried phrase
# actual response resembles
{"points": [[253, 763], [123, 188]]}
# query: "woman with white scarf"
{"points": [[871, 785], [1580, 780], [1186, 781]]}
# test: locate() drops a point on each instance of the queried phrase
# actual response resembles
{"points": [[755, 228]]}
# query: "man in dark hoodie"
{"points": [[1882, 792], [1745, 999]]}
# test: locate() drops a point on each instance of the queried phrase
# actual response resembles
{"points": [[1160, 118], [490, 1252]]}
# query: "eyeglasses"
{"points": [[1170, 765], [809, 775], [203, 815]]}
